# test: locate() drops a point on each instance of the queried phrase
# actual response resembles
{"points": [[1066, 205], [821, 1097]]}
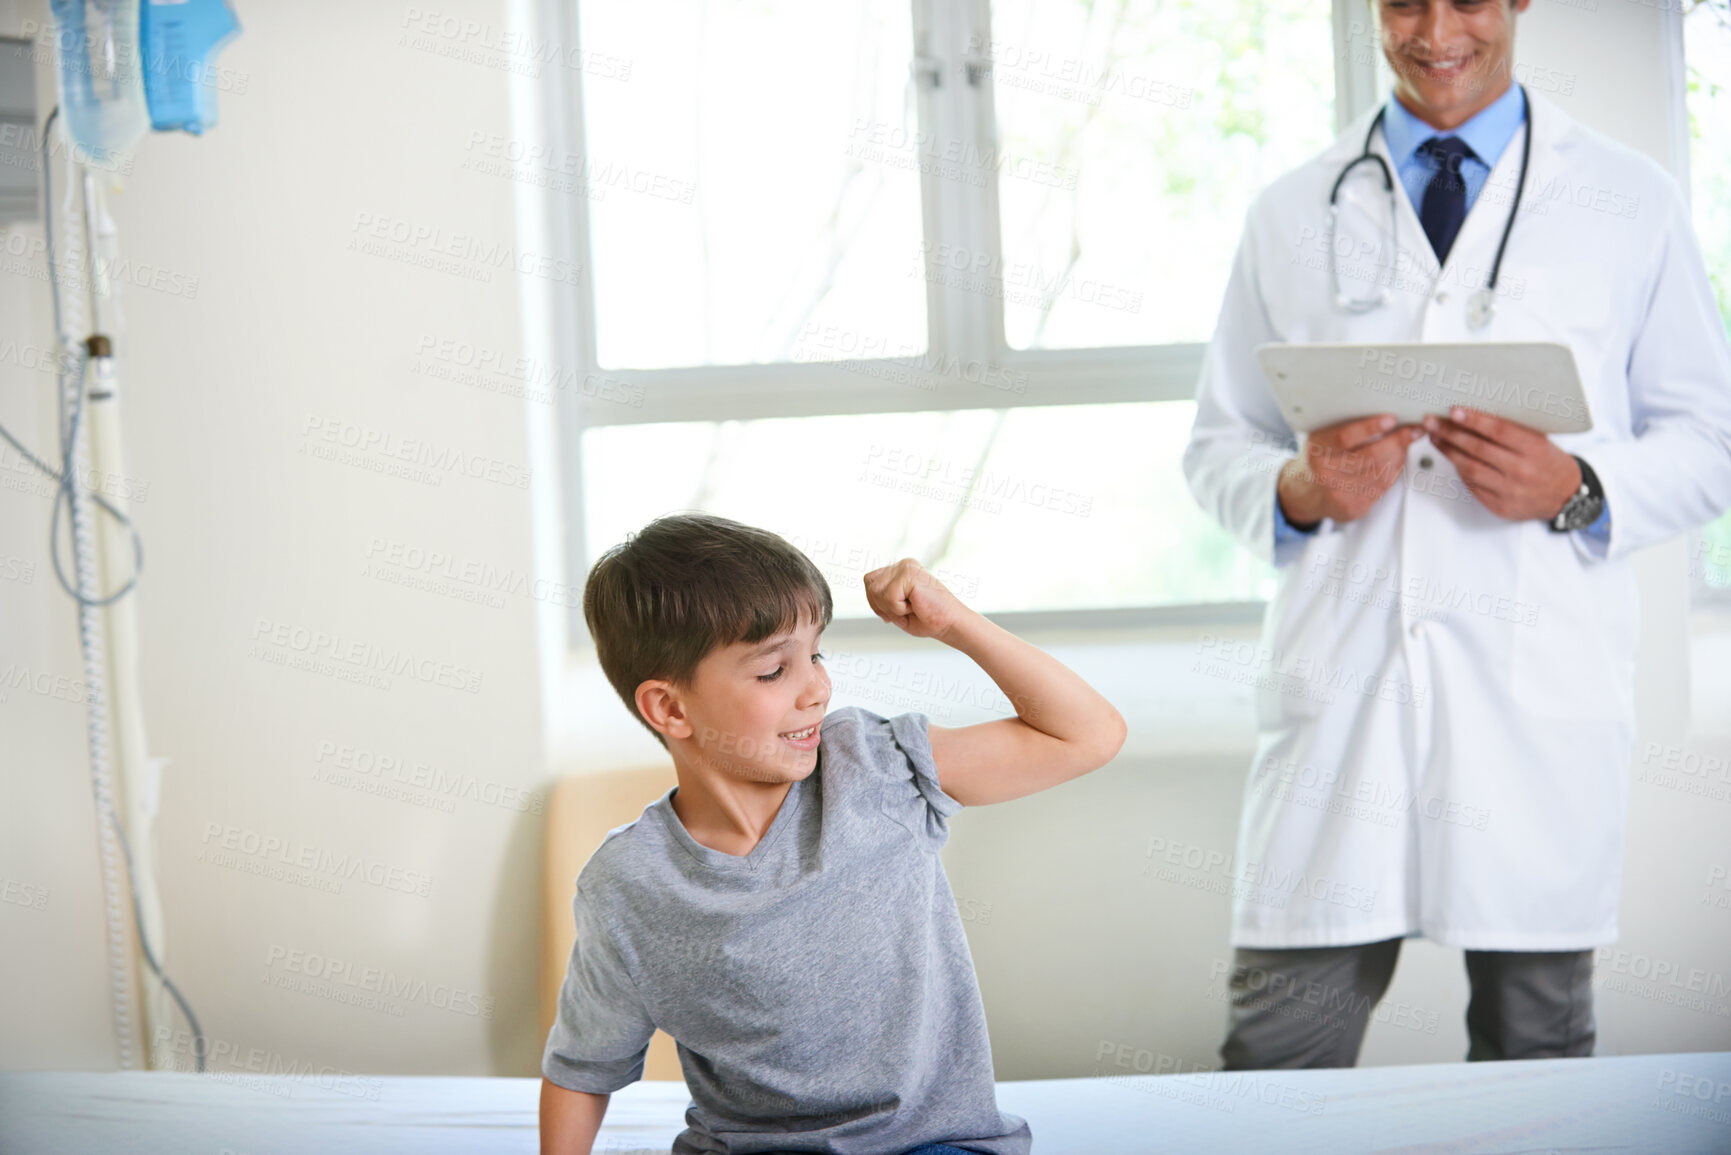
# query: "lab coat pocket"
{"points": [[1561, 663]]}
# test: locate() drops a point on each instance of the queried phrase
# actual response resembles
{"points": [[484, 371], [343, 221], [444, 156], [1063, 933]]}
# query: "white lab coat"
{"points": [[1445, 698]]}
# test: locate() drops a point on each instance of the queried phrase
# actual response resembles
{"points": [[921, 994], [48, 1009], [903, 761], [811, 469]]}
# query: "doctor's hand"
{"points": [[1344, 469], [1515, 472]]}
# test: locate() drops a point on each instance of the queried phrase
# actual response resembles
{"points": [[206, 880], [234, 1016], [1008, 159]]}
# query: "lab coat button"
{"points": [[1426, 461], [1416, 629], [1442, 298]]}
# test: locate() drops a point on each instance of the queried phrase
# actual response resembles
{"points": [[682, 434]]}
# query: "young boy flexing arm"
{"points": [[798, 939]]}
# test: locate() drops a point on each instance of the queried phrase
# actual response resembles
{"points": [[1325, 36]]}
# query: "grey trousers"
{"points": [[1309, 1007]]}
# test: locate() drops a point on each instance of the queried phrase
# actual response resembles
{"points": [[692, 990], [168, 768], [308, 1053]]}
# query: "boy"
{"points": [[783, 912]]}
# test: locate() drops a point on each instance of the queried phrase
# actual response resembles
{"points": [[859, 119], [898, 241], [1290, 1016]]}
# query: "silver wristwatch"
{"points": [[1584, 506]]}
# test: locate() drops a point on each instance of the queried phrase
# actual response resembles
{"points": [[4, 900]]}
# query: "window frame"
{"points": [[960, 323]]}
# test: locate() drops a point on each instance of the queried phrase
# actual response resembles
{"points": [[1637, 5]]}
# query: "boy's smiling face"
{"points": [[754, 710]]}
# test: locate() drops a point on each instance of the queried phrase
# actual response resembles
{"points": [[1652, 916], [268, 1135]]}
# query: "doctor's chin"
{"points": [[600, 576]]}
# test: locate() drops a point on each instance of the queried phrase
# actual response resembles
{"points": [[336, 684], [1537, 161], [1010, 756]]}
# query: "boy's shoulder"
{"points": [[629, 854], [854, 736], [860, 746], [848, 720]]}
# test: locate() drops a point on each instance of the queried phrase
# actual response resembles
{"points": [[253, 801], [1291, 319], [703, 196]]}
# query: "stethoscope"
{"points": [[1482, 305]]}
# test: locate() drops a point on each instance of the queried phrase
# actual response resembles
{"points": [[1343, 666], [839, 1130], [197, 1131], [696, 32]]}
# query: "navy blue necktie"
{"points": [[1445, 197]]}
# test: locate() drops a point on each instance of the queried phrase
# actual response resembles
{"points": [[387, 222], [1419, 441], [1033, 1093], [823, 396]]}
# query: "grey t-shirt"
{"points": [[820, 988]]}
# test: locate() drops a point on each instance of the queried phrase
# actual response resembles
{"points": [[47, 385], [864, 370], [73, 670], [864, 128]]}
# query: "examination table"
{"points": [[1663, 1104]]}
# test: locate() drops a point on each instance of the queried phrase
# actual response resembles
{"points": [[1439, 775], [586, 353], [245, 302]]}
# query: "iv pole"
{"points": [[110, 99], [136, 775]]}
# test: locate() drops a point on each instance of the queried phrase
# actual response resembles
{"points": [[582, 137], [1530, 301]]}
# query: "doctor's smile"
{"points": [[1445, 54]]}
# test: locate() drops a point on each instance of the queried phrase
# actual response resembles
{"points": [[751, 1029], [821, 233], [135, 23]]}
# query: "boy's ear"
{"points": [[660, 706]]}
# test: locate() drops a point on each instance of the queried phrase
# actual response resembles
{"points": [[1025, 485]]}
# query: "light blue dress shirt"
{"points": [[1487, 133]]}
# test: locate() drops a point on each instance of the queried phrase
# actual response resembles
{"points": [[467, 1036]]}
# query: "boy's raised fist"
{"points": [[905, 595]]}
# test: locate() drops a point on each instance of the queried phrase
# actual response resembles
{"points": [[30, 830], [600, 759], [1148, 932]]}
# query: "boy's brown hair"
{"points": [[689, 583]]}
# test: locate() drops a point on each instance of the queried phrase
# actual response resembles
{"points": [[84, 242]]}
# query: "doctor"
{"points": [[1444, 682]]}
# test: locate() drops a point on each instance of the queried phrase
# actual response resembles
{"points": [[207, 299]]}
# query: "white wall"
{"points": [[339, 117], [333, 120]]}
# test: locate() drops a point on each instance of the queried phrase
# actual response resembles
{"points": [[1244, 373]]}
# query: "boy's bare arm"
{"points": [[1063, 727], [569, 1119]]}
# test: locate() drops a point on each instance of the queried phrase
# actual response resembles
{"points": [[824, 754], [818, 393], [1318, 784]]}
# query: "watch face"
{"points": [[1580, 512]]}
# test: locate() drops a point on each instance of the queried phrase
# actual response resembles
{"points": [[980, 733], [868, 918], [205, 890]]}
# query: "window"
{"points": [[765, 219], [1159, 121], [931, 285], [1013, 509], [1707, 57]]}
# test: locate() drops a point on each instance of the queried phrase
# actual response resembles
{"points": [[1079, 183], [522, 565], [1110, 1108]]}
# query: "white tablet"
{"points": [[1532, 382]]}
